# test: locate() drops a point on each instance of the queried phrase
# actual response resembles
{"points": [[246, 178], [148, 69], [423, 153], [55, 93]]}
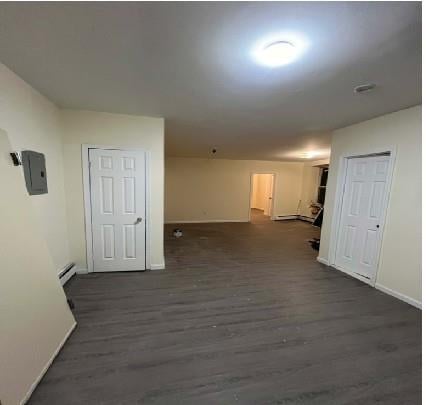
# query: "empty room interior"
{"points": [[210, 203]]}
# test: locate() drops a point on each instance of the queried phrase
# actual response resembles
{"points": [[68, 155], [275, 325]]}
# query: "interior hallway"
{"points": [[258, 217], [243, 314]]}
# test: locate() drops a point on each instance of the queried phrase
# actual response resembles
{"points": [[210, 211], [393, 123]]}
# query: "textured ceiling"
{"points": [[191, 63]]}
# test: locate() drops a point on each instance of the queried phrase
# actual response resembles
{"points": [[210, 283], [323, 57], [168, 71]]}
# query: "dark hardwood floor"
{"points": [[243, 314]]}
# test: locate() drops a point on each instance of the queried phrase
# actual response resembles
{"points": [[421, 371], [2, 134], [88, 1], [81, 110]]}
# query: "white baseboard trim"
{"points": [[48, 364], [285, 217], [209, 221], [305, 218], [380, 287], [349, 273], [322, 260], [398, 295], [158, 266], [365, 280], [81, 270]]}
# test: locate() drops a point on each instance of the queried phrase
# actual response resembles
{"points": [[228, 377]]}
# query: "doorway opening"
{"points": [[262, 197]]}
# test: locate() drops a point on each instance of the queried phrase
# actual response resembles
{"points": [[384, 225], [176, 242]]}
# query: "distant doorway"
{"points": [[262, 196]]}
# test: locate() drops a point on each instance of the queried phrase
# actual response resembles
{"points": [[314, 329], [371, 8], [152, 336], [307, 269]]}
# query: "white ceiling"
{"points": [[190, 63]]}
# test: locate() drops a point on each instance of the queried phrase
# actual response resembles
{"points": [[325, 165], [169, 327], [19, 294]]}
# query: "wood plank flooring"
{"points": [[244, 314]]}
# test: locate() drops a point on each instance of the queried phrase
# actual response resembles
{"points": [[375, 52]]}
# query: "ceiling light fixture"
{"points": [[310, 155], [279, 53], [364, 88], [279, 50], [307, 154]]}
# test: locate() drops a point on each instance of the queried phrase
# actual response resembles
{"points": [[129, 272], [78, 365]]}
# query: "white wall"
{"points": [[32, 122], [400, 260], [121, 131], [34, 315], [219, 189]]}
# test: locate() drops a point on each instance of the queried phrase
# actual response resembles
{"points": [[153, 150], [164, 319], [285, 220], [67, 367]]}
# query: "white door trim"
{"points": [[274, 182], [88, 206], [338, 203]]}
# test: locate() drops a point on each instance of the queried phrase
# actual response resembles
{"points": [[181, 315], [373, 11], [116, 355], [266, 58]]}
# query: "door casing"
{"points": [[338, 204], [274, 181], [88, 206]]}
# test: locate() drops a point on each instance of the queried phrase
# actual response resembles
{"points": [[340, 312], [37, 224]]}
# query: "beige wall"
{"points": [[255, 191], [121, 131], [219, 189], [400, 260], [32, 122], [310, 183], [309, 189], [34, 315]]}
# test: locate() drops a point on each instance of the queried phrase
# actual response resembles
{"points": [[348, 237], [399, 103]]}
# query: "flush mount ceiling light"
{"points": [[279, 53], [279, 50], [364, 88], [307, 154], [310, 154]]}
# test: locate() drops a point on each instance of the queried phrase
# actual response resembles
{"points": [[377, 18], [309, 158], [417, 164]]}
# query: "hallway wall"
{"points": [[205, 190], [400, 267], [34, 315], [32, 123], [120, 131], [310, 189]]}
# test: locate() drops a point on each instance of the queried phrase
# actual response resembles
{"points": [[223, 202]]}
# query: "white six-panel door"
{"points": [[364, 199], [117, 191]]}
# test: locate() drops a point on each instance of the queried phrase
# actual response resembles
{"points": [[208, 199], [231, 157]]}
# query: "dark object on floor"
{"points": [[177, 233], [315, 243]]}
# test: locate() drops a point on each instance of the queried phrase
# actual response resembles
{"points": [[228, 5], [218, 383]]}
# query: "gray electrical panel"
{"points": [[34, 166]]}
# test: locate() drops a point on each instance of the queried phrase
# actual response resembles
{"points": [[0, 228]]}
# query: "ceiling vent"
{"points": [[364, 88]]}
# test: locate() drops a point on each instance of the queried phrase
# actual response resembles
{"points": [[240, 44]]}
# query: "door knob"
{"points": [[138, 220], [377, 226]]}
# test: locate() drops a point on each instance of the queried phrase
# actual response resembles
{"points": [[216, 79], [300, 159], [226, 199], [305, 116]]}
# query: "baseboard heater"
{"points": [[304, 218], [67, 272], [299, 217]]}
